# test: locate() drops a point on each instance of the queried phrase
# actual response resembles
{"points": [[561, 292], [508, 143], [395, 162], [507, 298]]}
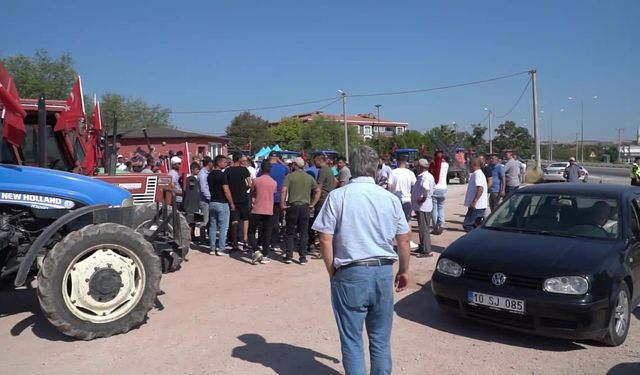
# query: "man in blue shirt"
{"points": [[278, 172], [356, 242], [498, 182]]}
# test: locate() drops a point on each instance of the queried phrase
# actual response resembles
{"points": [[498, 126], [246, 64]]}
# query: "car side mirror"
{"points": [[479, 221]]}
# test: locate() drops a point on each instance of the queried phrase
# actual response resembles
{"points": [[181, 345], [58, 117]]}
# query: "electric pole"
{"points": [[577, 148], [536, 126], [619, 144], [346, 128]]}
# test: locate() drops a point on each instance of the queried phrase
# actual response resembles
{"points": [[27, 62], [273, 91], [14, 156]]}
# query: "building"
{"points": [[164, 140], [367, 124]]}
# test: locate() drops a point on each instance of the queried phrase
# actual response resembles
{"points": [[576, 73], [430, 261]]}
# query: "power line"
{"points": [[333, 99], [517, 101]]}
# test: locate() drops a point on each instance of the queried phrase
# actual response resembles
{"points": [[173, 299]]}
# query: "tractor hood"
{"points": [[47, 188]]}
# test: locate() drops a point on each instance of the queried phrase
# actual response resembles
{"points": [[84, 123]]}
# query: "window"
{"points": [[399, 130], [376, 129], [215, 149], [367, 130]]}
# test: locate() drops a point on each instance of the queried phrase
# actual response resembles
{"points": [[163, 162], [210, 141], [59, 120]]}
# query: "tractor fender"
{"points": [[42, 239]]}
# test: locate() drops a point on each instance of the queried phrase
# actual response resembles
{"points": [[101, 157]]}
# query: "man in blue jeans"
{"points": [[356, 242], [220, 206]]}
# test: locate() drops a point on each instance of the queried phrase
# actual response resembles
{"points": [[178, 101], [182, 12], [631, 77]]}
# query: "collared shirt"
{"points": [[424, 187], [364, 219], [205, 194], [497, 172], [572, 173], [512, 171]]}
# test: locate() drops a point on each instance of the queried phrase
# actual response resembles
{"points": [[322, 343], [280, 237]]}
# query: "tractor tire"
{"points": [[99, 281], [143, 216]]}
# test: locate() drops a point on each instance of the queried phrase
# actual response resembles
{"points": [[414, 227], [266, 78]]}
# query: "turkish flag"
{"points": [[73, 111], [184, 166], [13, 115]]}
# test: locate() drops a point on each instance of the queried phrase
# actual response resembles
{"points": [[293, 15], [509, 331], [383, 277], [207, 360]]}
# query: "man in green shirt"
{"points": [[296, 200], [327, 182]]}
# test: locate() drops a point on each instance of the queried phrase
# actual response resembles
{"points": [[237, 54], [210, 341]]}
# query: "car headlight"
{"points": [[127, 202], [566, 285], [449, 267]]}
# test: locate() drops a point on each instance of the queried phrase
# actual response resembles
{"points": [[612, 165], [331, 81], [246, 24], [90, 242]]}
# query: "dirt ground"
{"points": [[225, 316]]}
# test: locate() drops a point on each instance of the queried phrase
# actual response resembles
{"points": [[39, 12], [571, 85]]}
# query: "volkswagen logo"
{"points": [[498, 278]]}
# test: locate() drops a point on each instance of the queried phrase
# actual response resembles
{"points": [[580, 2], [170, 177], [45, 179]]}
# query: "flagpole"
{"points": [[81, 94]]}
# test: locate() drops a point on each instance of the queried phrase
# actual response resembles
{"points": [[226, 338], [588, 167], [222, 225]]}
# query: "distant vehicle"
{"points": [[331, 154], [555, 172], [458, 166], [556, 260], [290, 155], [410, 153]]}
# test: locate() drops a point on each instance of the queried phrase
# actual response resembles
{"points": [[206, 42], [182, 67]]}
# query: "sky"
{"points": [[221, 55]]}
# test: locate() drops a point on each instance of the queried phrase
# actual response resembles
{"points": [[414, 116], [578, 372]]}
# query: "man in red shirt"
{"points": [[262, 193]]}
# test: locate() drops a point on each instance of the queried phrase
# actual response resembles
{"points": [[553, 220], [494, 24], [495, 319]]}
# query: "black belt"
{"points": [[369, 262]]}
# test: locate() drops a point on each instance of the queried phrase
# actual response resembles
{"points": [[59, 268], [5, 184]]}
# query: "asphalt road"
{"points": [[608, 175]]}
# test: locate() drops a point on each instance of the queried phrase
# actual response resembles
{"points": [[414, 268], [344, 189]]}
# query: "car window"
{"points": [[635, 222], [579, 216], [558, 165]]}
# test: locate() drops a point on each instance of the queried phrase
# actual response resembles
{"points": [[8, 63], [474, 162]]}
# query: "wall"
{"points": [[130, 145]]}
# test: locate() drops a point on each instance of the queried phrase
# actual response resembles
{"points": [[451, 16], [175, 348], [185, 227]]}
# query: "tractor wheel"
{"points": [[143, 219], [99, 281]]}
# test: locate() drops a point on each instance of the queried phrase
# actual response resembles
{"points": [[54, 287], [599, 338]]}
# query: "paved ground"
{"points": [[224, 316]]}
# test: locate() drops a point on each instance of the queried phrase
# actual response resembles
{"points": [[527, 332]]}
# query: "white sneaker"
{"points": [[264, 260], [413, 245]]}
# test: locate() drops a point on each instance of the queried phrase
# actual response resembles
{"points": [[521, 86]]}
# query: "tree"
{"points": [[42, 74], [247, 128], [132, 113], [476, 139], [288, 133], [513, 137], [442, 137], [325, 134]]}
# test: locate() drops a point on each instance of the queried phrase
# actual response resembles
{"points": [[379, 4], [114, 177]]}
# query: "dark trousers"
{"points": [[297, 224], [275, 222], [264, 226], [469, 222], [510, 190], [424, 220], [312, 233]]}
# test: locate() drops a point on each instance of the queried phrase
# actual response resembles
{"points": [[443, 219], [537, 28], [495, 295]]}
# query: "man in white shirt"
{"points": [[476, 198], [401, 181], [423, 205]]}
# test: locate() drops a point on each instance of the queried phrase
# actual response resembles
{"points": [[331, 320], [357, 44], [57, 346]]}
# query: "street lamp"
{"points": [[344, 119], [490, 131], [581, 126]]}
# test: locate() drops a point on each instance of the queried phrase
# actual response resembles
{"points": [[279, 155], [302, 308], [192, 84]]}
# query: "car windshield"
{"points": [[560, 215], [558, 165]]}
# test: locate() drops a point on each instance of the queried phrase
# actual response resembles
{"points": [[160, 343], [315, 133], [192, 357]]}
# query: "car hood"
{"points": [[531, 255]]}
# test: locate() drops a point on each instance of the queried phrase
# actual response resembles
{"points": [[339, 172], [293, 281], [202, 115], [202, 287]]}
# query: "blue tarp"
{"points": [[276, 148], [264, 152]]}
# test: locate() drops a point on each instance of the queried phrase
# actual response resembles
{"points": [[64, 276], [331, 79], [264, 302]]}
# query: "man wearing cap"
{"points": [[297, 201], [422, 202], [175, 177], [120, 164], [572, 172], [358, 225]]}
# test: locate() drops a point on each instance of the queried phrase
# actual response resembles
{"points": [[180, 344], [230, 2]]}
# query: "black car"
{"points": [[558, 260]]}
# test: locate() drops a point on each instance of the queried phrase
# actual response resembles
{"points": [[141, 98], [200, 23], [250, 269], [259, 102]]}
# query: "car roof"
{"points": [[600, 190]]}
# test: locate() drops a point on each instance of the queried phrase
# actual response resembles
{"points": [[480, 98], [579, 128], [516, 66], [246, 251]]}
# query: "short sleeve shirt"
{"points": [[217, 179], [476, 180], [264, 188], [344, 175], [237, 178], [512, 171], [299, 185], [497, 172], [326, 180]]}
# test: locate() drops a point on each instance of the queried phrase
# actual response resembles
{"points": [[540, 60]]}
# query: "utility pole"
{"points": [[551, 137], [536, 127], [346, 128], [619, 144], [581, 131], [577, 148]]}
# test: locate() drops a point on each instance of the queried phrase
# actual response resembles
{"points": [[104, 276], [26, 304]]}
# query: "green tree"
{"points": [[288, 133], [476, 139], [510, 136], [442, 137], [42, 74], [411, 139], [248, 128], [132, 113], [325, 134]]}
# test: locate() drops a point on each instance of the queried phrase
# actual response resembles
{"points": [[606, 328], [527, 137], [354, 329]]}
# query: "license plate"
{"points": [[496, 302]]}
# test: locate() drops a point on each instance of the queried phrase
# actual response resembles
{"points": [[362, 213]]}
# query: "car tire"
{"points": [[620, 317], [143, 216], [99, 281]]}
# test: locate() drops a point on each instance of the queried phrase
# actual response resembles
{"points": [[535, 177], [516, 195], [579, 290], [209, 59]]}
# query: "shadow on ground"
{"points": [[283, 359], [625, 369], [421, 307], [19, 301]]}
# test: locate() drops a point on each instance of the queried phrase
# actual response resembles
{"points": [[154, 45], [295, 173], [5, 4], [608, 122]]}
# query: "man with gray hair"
{"points": [[358, 224]]}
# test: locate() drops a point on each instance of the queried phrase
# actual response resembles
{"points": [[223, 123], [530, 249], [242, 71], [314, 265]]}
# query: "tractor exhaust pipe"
{"points": [[42, 132]]}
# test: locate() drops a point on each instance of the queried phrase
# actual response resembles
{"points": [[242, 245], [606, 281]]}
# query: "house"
{"points": [[164, 140], [367, 123]]}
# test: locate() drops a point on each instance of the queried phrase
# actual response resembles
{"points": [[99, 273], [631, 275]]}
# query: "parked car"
{"points": [[556, 260], [555, 172]]}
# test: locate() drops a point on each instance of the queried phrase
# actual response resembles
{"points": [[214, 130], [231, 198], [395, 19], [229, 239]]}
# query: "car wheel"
{"points": [[620, 317]]}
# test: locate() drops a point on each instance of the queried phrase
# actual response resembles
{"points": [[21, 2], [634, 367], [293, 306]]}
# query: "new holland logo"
{"points": [[36, 201], [498, 278]]}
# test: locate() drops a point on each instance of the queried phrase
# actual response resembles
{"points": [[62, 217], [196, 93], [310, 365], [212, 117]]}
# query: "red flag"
{"points": [[12, 114], [184, 166], [74, 109]]}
